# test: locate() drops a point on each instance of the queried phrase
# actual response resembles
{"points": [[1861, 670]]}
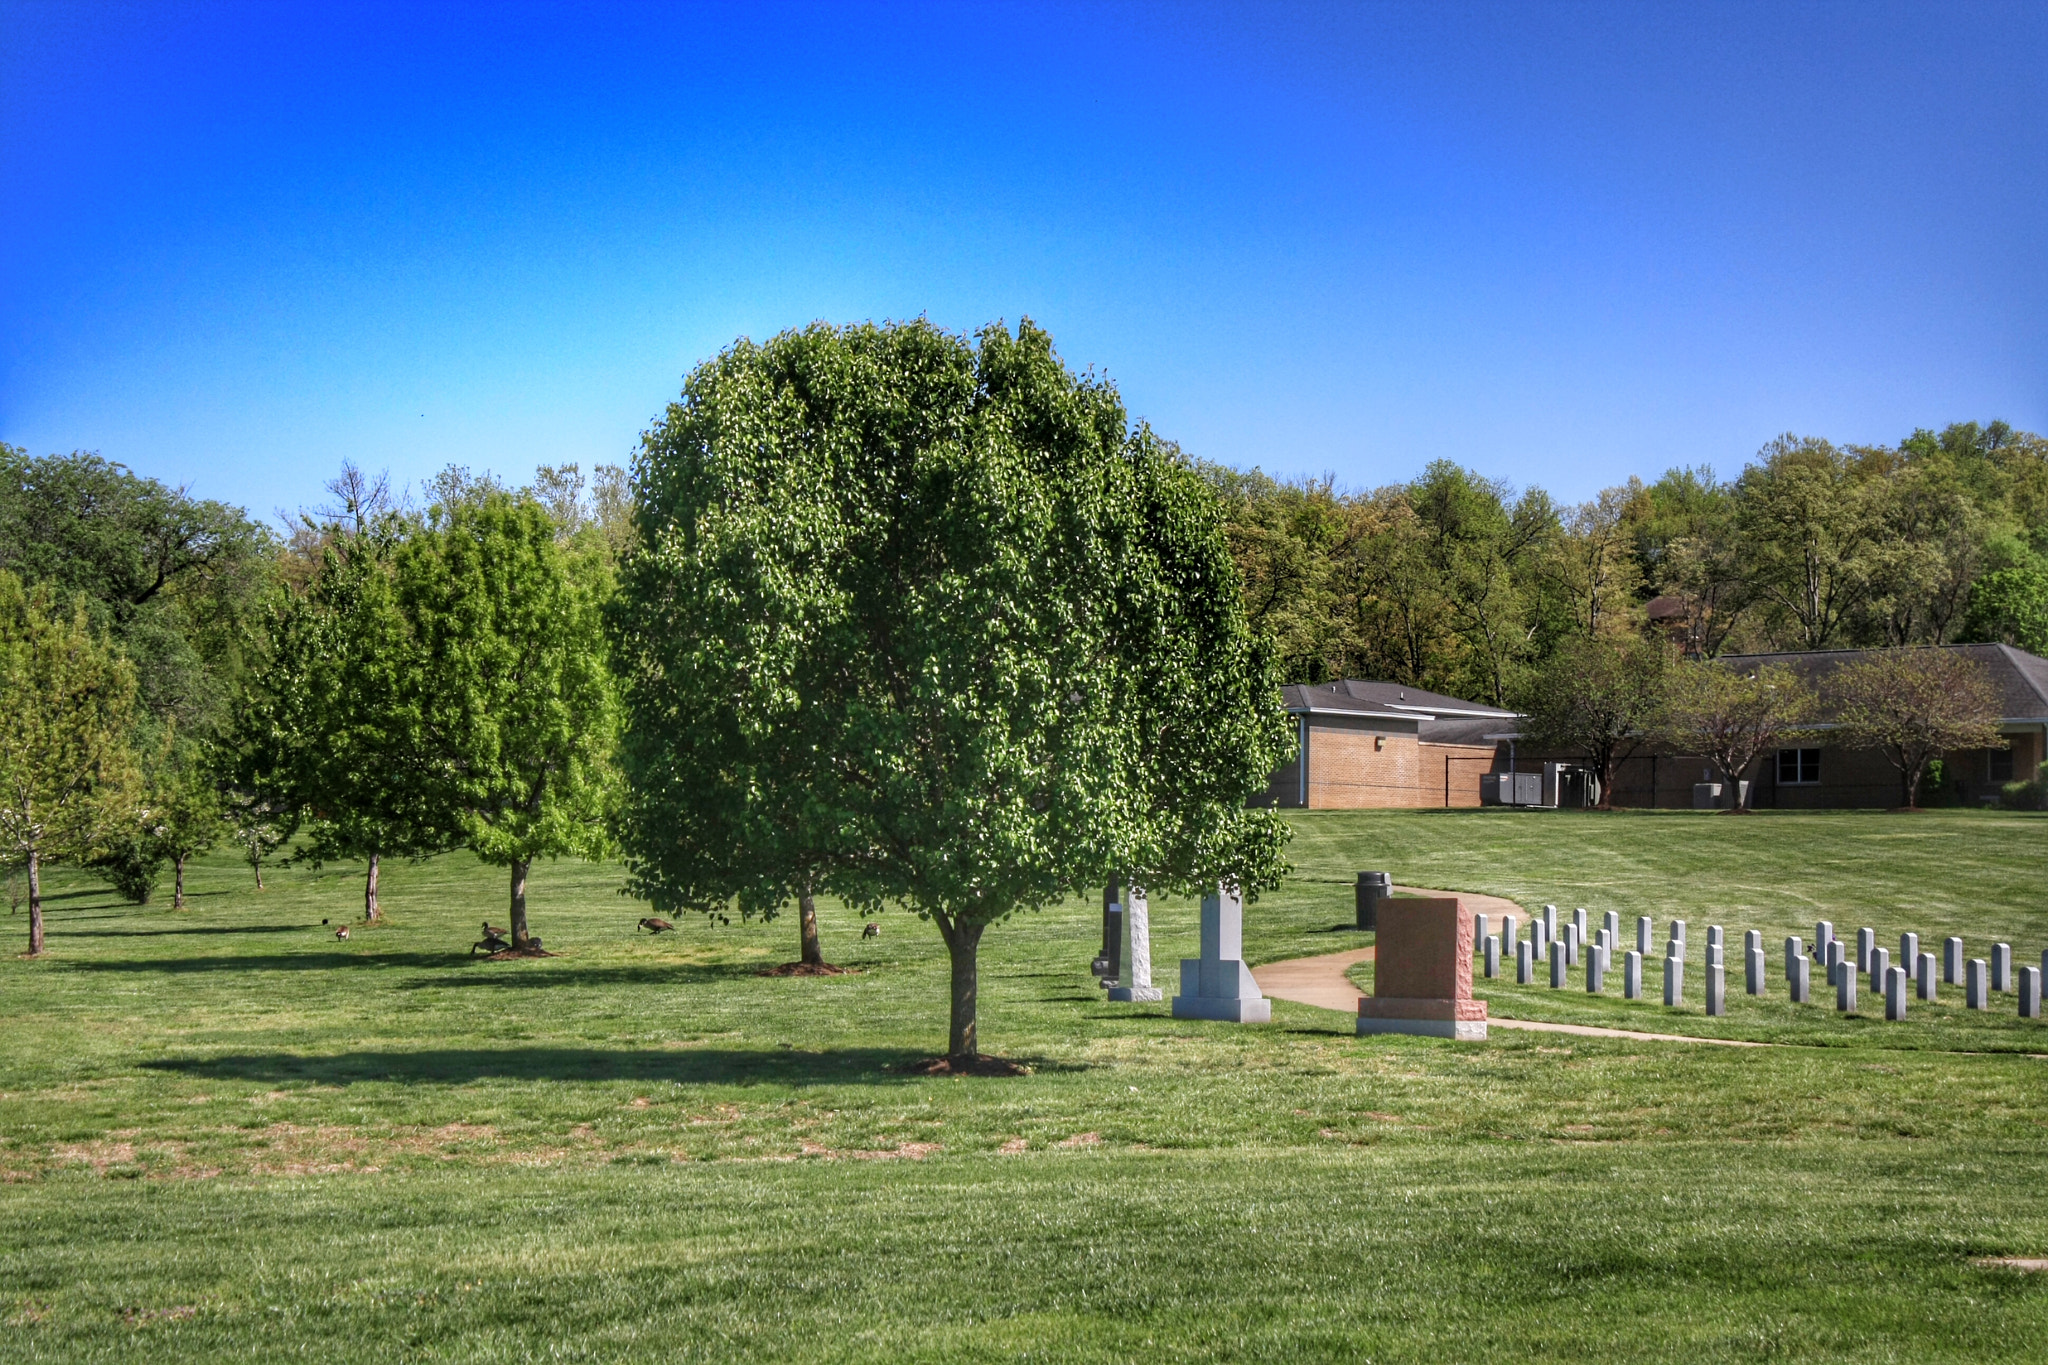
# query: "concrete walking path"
{"points": [[1321, 981]]}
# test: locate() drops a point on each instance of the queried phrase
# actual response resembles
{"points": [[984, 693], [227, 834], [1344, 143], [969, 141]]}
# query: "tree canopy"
{"points": [[913, 584]]}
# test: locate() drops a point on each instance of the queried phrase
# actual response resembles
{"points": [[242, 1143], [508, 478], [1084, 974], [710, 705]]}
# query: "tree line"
{"points": [[1465, 585]]}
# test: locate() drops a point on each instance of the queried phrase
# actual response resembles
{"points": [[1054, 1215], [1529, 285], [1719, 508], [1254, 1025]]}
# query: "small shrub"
{"points": [[2026, 795]]}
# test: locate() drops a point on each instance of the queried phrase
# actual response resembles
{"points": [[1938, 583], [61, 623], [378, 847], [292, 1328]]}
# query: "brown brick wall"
{"points": [[1354, 768]]}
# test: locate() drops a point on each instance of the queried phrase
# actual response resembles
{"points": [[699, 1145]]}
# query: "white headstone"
{"points": [[1134, 980], [1217, 985]]}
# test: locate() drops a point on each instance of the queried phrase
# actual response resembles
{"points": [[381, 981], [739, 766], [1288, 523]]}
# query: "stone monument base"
{"points": [[1464, 1020], [1136, 993], [1258, 1010]]}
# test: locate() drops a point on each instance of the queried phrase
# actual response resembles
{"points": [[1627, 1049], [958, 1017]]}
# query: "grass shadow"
{"points": [[271, 962], [206, 930], [461, 1066]]}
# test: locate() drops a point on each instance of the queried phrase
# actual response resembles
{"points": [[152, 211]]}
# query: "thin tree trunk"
{"points": [[807, 929], [371, 909], [35, 904], [518, 911], [257, 864], [963, 944], [178, 883]]}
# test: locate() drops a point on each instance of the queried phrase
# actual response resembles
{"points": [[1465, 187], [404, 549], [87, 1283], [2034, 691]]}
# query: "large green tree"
{"points": [[1913, 705], [332, 728], [924, 617], [67, 774], [1600, 696], [511, 684]]}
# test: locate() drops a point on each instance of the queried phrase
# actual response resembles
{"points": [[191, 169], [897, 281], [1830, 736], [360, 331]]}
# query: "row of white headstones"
{"points": [[1564, 944]]}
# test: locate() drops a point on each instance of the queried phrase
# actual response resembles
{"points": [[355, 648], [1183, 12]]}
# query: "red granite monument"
{"points": [[1422, 972]]}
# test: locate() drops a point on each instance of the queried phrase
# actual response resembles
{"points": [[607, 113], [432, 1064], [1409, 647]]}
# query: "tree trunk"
{"points": [[35, 904], [518, 911], [257, 864], [963, 944], [371, 910], [807, 929], [178, 883]]}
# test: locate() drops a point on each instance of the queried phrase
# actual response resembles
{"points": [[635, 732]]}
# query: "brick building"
{"points": [[1363, 745]]}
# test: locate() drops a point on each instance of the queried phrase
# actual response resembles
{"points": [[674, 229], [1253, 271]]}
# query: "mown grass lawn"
{"points": [[226, 1134]]}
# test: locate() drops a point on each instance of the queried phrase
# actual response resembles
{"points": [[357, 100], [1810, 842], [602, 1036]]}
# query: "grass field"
{"points": [[223, 1133]]}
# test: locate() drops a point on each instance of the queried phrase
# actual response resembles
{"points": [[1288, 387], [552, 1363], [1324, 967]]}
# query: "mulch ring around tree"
{"points": [[513, 954], [808, 969], [981, 1065]]}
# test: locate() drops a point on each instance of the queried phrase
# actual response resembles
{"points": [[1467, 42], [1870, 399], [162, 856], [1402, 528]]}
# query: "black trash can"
{"points": [[1373, 887]]}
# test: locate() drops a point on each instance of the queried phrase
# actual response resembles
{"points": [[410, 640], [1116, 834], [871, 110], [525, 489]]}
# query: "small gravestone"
{"points": [[1976, 992], [1611, 922], [2044, 964], [1717, 988], [1539, 938], [1714, 957], [1643, 936], [1596, 969], [1837, 955], [1134, 979], [1549, 921], [1557, 964], [1579, 923], [1753, 971], [1880, 963], [1674, 981], [1866, 939], [1951, 962], [2001, 966], [1422, 972], [1795, 949], [1525, 961], [1924, 974], [1217, 985], [1492, 958], [1571, 945], [1632, 976], [1909, 950], [2030, 992], [1823, 934], [1509, 931], [1895, 994], [1717, 941], [1800, 979], [1845, 986], [1479, 929], [1678, 933]]}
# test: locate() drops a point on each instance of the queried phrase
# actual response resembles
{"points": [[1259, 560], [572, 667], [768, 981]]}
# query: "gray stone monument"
{"points": [[1838, 953], [1611, 922], [1977, 992], [1909, 951], [1717, 941], [1794, 950], [1525, 960], [1539, 938], [2001, 966], [1717, 988], [1951, 962], [1674, 981], [1754, 971], [1880, 963], [1596, 970], [1823, 934], [1492, 956], [2030, 992], [1800, 979], [1579, 923], [1866, 939], [1134, 978], [1550, 921], [1895, 994], [1925, 973], [1632, 976], [1509, 932], [1845, 986], [1557, 964], [1480, 936], [1571, 945], [1643, 935], [1678, 934], [1217, 985]]}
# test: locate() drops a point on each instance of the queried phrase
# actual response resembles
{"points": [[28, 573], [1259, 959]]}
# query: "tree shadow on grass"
{"points": [[524, 976], [686, 1066], [270, 962], [220, 930]]}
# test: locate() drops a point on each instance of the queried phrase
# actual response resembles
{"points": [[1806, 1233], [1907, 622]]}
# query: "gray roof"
{"points": [[1477, 731], [2020, 678], [1361, 698]]}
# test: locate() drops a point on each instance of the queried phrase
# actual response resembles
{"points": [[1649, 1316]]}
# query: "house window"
{"points": [[1798, 767], [2001, 765]]}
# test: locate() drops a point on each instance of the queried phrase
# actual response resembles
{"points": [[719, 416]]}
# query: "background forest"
{"points": [[1465, 585]]}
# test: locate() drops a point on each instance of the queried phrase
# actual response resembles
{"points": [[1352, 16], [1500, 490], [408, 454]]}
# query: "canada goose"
{"points": [[657, 926], [873, 930], [342, 932]]}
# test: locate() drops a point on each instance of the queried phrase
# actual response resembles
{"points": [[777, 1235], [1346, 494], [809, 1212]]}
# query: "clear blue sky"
{"points": [[1560, 244]]}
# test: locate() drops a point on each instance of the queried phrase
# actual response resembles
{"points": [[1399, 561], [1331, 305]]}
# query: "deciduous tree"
{"points": [[1600, 696], [913, 585], [67, 775], [1915, 705], [1730, 716]]}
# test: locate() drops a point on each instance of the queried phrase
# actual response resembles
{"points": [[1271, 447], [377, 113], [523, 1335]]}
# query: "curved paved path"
{"points": [[1321, 981]]}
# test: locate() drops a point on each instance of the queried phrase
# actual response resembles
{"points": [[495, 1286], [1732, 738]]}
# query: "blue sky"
{"points": [[1557, 243]]}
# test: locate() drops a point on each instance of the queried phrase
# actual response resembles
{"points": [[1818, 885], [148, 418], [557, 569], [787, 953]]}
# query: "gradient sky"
{"points": [[1557, 243]]}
